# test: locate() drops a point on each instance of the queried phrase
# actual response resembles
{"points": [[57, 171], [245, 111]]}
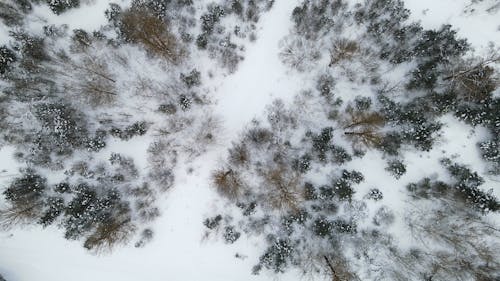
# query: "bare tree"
{"points": [[468, 242], [475, 83], [141, 26], [342, 49], [228, 183], [110, 233], [89, 77], [363, 127], [283, 184], [20, 214], [339, 268]]}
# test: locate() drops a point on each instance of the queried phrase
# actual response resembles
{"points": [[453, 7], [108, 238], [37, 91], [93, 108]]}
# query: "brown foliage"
{"points": [[342, 49], [364, 127], [90, 78], [20, 214], [339, 268], [238, 155], [227, 182], [476, 84], [141, 26], [284, 188], [96, 81], [110, 233]]}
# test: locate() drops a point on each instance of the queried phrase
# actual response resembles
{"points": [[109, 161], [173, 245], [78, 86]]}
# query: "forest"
{"points": [[383, 165]]}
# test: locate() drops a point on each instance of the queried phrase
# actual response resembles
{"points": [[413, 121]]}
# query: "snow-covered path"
{"points": [[261, 77], [178, 251]]}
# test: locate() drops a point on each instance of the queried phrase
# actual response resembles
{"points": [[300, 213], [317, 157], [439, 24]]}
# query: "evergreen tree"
{"points": [[61, 6]]}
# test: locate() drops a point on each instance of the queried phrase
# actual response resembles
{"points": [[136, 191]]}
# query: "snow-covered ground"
{"points": [[478, 23], [179, 250]]}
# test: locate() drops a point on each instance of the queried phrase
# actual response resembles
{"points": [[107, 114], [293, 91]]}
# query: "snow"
{"points": [[179, 250], [4, 35], [89, 16], [479, 26], [261, 77]]}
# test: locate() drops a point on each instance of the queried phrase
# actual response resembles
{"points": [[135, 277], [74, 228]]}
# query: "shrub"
{"points": [[192, 79], [212, 223], [396, 168], [209, 19], [341, 187], [169, 108], [259, 136], [374, 194], [231, 235], [136, 129], [146, 236], [239, 155], [277, 256]]}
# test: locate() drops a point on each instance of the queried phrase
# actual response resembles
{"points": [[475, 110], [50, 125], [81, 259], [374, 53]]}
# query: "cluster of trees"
{"points": [[69, 93], [96, 213], [12, 12], [219, 38], [102, 203], [288, 175]]}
